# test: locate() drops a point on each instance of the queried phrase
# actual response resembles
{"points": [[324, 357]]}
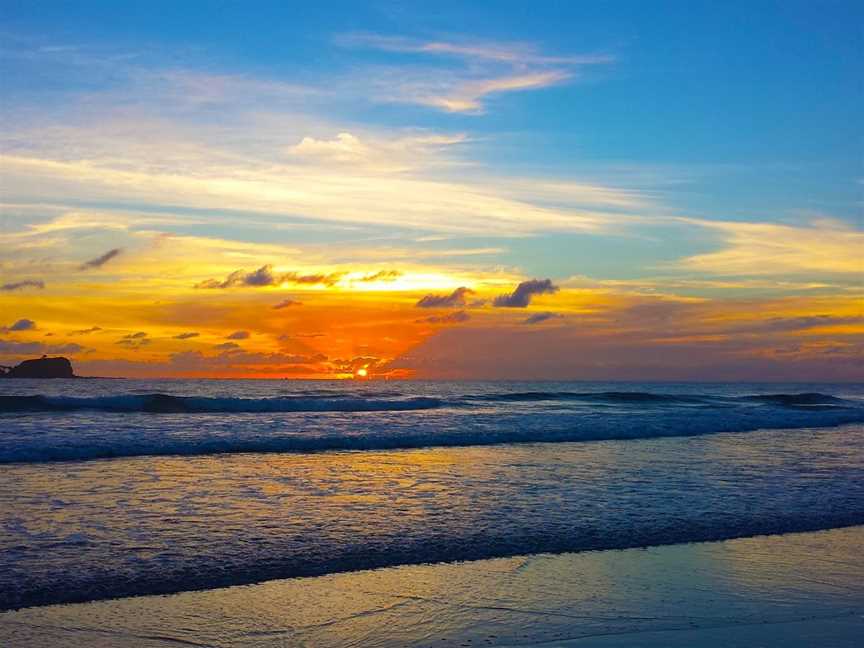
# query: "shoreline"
{"points": [[793, 585]]}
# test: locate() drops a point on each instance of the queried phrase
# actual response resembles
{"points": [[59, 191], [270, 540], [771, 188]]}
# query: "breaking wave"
{"points": [[68, 429]]}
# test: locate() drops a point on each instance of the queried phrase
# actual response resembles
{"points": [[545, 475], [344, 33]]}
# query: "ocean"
{"points": [[115, 488]]}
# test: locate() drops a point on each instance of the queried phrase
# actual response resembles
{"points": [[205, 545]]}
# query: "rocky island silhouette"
{"points": [[43, 367]]}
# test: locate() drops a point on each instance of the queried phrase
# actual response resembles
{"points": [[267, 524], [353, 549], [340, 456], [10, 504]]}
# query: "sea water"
{"points": [[120, 487]]}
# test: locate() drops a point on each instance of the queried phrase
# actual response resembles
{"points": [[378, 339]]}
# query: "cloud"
{"points": [[238, 335], [134, 341], [456, 317], [87, 331], [351, 365], [227, 346], [485, 68], [328, 279], [381, 275], [536, 318], [454, 300], [20, 325], [468, 97], [771, 249], [186, 336], [521, 297], [376, 154], [488, 205], [517, 53], [285, 303], [9, 347], [99, 261], [264, 276], [21, 285]]}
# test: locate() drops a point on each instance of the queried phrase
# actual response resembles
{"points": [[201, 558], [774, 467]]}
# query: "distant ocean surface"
{"points": [[124, 487]]}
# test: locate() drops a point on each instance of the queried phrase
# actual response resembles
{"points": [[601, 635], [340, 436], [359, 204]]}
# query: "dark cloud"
{"points": [[38, 348], [92, 329], [351, 365], [285, 303], [21, 325], [99, 261], [450, 318], [21, 285], [382, 275], [186, 336], [227, 346], [134, 340], [455, 299], [238, 335], [132, 344], [326, 279], [536, 318], [521, 297], [264, 276]]}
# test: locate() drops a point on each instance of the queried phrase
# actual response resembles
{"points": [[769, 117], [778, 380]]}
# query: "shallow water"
{"points": [[796, 591]]}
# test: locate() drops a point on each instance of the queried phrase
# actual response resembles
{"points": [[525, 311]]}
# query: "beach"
{"points": [[796, 590]]}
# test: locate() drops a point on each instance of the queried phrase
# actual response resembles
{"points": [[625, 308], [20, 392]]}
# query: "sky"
{"points": [[450, 190]]}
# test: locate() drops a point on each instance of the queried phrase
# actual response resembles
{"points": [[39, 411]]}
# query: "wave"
{"points": [[333, 401], [229, 436], [169, 404], [807, 399], [208, 573]]}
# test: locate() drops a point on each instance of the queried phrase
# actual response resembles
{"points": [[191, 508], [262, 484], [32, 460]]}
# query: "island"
{"points": [[43, 367]]}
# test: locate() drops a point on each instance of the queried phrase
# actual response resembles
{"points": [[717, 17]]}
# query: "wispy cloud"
{"points": [[515, 53], [825, 247], [482, 69], [467, 97]]}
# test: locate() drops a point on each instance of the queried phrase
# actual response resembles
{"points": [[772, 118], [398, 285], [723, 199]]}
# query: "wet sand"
{"points": [[799, 590]]}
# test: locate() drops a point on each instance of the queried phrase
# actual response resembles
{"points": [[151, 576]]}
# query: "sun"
{"points": [[361, 373]]}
